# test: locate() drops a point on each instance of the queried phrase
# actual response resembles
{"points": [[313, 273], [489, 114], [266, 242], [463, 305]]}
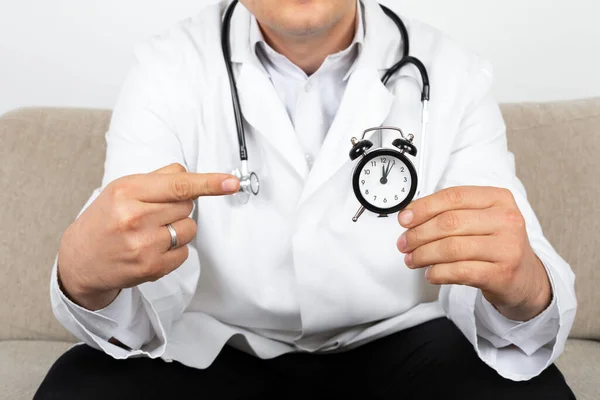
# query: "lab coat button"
{"points": [[309, 160]]}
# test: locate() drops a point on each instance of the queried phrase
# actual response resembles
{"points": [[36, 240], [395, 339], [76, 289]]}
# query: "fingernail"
{"points": [[406, 217], [402, 242], [427, 273], [408, 260], [230, 185]]}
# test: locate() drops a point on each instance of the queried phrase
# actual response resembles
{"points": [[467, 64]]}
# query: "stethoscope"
{"points": [[249, 182]]}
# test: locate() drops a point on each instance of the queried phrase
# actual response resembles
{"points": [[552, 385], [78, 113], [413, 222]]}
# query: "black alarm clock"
{"points": [[384, 180]]}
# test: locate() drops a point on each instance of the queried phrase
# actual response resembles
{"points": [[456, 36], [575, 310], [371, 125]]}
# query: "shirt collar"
{"points": [[257, 37]]}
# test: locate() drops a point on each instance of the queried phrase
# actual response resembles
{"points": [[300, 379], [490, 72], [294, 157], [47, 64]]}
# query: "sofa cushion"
{"points": [[24, 364], [580, 364], [557, 150], [51, 160]]}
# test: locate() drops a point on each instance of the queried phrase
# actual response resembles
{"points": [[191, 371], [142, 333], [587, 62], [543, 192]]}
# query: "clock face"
{"points": [[385, 181]]}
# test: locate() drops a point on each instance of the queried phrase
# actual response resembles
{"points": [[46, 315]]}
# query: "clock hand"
{"points": [[389, 169]]}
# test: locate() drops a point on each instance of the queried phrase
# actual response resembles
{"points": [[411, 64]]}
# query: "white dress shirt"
{"points": [[311, 104]]}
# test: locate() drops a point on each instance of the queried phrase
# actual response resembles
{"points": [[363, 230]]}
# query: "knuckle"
{"points": [[462, 273], [515, 246], [127, 219], [413, 236], [426, 207], [505, 194], [206, 186], [480, 278], [181, 188], [454, 247], [177, 167], [134, 246], [520, 246], [514, 218], [449, 222], [454, 195], [417, 257], [509, 272], [119, 190]]}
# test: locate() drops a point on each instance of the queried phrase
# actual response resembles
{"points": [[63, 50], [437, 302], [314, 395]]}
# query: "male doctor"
{"points": [[459, 296]]}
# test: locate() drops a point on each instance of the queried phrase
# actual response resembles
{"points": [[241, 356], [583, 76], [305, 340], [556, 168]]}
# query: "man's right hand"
{"points": [[121, 239]]}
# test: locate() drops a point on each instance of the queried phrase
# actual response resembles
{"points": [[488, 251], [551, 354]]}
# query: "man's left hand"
{"points": [[476, 236]]}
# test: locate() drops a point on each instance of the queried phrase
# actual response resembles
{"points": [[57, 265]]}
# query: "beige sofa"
{"points": [[52, 159]]}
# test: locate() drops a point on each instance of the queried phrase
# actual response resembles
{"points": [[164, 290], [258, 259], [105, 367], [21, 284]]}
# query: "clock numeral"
{"points": [[402, 169], [367, 172], [396, 197], [385, 200], [373, 163], [383, 160], [405, 179], [403, 190], [363, 181], [367, 192], [374, 198]]}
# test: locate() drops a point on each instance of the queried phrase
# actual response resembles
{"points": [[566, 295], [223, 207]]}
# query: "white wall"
{"points": [[76, 53]]}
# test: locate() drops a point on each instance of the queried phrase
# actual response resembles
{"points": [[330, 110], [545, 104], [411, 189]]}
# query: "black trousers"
{"points": [[430, 361]]}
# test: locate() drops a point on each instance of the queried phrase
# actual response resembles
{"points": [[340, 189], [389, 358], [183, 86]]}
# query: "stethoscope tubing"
{"points": [[405, 61]]}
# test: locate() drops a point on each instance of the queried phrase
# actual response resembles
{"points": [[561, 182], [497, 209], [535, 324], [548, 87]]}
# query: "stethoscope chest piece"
{"points": [[384, 180], [249, 184]]}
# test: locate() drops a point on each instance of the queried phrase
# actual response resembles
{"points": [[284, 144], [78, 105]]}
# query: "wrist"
{"points": [[79, 294], [538, 298], [92, 301]]}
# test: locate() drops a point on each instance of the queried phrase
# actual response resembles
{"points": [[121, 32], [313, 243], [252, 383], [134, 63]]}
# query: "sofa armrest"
{"points": [[557, 147], [50, 162]]}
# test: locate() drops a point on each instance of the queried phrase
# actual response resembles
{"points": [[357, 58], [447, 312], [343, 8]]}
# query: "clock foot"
{"points": [[382, 216], [360, 212]]}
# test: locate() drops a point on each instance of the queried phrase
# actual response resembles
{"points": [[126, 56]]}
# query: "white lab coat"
{"points": [[290, 270]]}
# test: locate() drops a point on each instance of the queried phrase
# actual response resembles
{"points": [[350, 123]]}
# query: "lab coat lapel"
{"points": [[261, 106], [264, 111], [366, 104]]}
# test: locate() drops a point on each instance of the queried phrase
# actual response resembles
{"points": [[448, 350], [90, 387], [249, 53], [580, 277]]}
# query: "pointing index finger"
{"points": [[176, 187], [454, 198]]}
